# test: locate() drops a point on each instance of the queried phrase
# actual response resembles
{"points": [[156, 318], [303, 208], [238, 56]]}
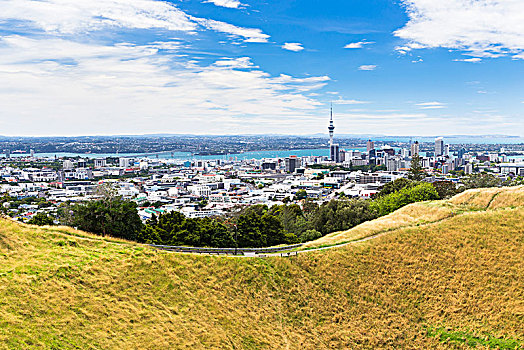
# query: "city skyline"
{"points": [[239, 67]]}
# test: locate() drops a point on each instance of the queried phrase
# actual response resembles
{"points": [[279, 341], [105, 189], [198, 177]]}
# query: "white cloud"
{"points": [[484, 28], [82, 16], [471, 60], [125, 88], [293, 47], [358, 45], [252, 35], [238, 63], [367, 67], [431, 105], [233, 4], [77, 16], [349, 102]]}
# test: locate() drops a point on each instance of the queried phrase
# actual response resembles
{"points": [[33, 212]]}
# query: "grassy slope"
{"points": [[428, 212], [464, 273]]}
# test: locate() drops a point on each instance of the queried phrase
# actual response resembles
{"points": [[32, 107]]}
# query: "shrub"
{"points": [[41, 219]]}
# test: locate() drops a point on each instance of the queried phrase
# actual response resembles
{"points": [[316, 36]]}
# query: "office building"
{"points": [[100, 163], [415, 148], [292, 163], [81, 163], [439, 146], [370, 145], [334, 153], [446, 150], [67, 165], [269, 165], [124, 162]]}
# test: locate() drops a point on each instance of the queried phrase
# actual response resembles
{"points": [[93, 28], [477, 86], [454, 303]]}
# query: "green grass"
{"points": [[469, 339]]}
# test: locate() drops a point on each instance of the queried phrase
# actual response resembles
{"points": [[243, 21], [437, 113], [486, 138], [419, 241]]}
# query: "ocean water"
{"points": [[189, 156]]}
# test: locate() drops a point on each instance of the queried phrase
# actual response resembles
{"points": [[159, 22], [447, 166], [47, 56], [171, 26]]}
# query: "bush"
{"points": [[445, 189], [110, 216], [41, 219], [339, 215], [310, 235], [391, 202]]}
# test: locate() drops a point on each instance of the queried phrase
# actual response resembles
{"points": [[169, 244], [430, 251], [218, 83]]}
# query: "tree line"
{"points": [[253, 226]]}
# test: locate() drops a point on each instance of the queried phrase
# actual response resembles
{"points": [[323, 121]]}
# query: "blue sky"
{"points": [[405, 67]]}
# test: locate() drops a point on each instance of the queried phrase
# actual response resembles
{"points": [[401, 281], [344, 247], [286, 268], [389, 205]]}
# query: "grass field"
{"points": [[445, 275], [428, 212]]}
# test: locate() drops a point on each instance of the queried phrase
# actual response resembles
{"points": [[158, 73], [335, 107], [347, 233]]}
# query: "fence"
{"points": [[226, 251]]}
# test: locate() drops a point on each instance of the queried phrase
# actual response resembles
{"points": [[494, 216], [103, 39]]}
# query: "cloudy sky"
{"points": [[402, 67]]}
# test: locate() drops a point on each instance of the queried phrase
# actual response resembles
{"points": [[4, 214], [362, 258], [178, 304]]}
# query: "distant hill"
{"points": [[443, 274]]}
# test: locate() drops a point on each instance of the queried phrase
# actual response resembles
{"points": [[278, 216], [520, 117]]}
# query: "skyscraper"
{"points": [[415, 148], [370, 145], [439, 146], [291, 162]]}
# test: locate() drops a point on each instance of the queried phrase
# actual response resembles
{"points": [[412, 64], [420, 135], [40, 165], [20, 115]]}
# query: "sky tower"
{"points": [[334, 153], [331, 127]]}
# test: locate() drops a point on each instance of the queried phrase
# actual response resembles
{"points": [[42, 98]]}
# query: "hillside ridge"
{"points": [[456, 283]]}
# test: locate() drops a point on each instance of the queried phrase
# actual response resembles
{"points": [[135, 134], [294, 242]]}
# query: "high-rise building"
{"points": [[446, 150], [81, 163], [292, 163], [461, 152], [370, 145], [415, 148], [100, 162], [67, 165], [439, 146], [334, 152], [124, 162], [32, 153]]}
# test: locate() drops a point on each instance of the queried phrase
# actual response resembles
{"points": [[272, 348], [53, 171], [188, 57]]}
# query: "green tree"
{"points": [[416, 172], [41, 219], [301, 194], [339, 215], [310, 235], [393, 201], [481, 181], [394, 186], [445, 189], [110, 215]]}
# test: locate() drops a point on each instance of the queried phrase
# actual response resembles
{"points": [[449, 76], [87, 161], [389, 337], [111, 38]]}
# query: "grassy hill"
{"points": [[446, 274]]}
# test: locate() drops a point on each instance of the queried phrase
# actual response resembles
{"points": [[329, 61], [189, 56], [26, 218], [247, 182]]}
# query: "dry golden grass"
{"points": [[490, 198], [417, 214], [413, 214], [463, 273], [513, 197]]}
